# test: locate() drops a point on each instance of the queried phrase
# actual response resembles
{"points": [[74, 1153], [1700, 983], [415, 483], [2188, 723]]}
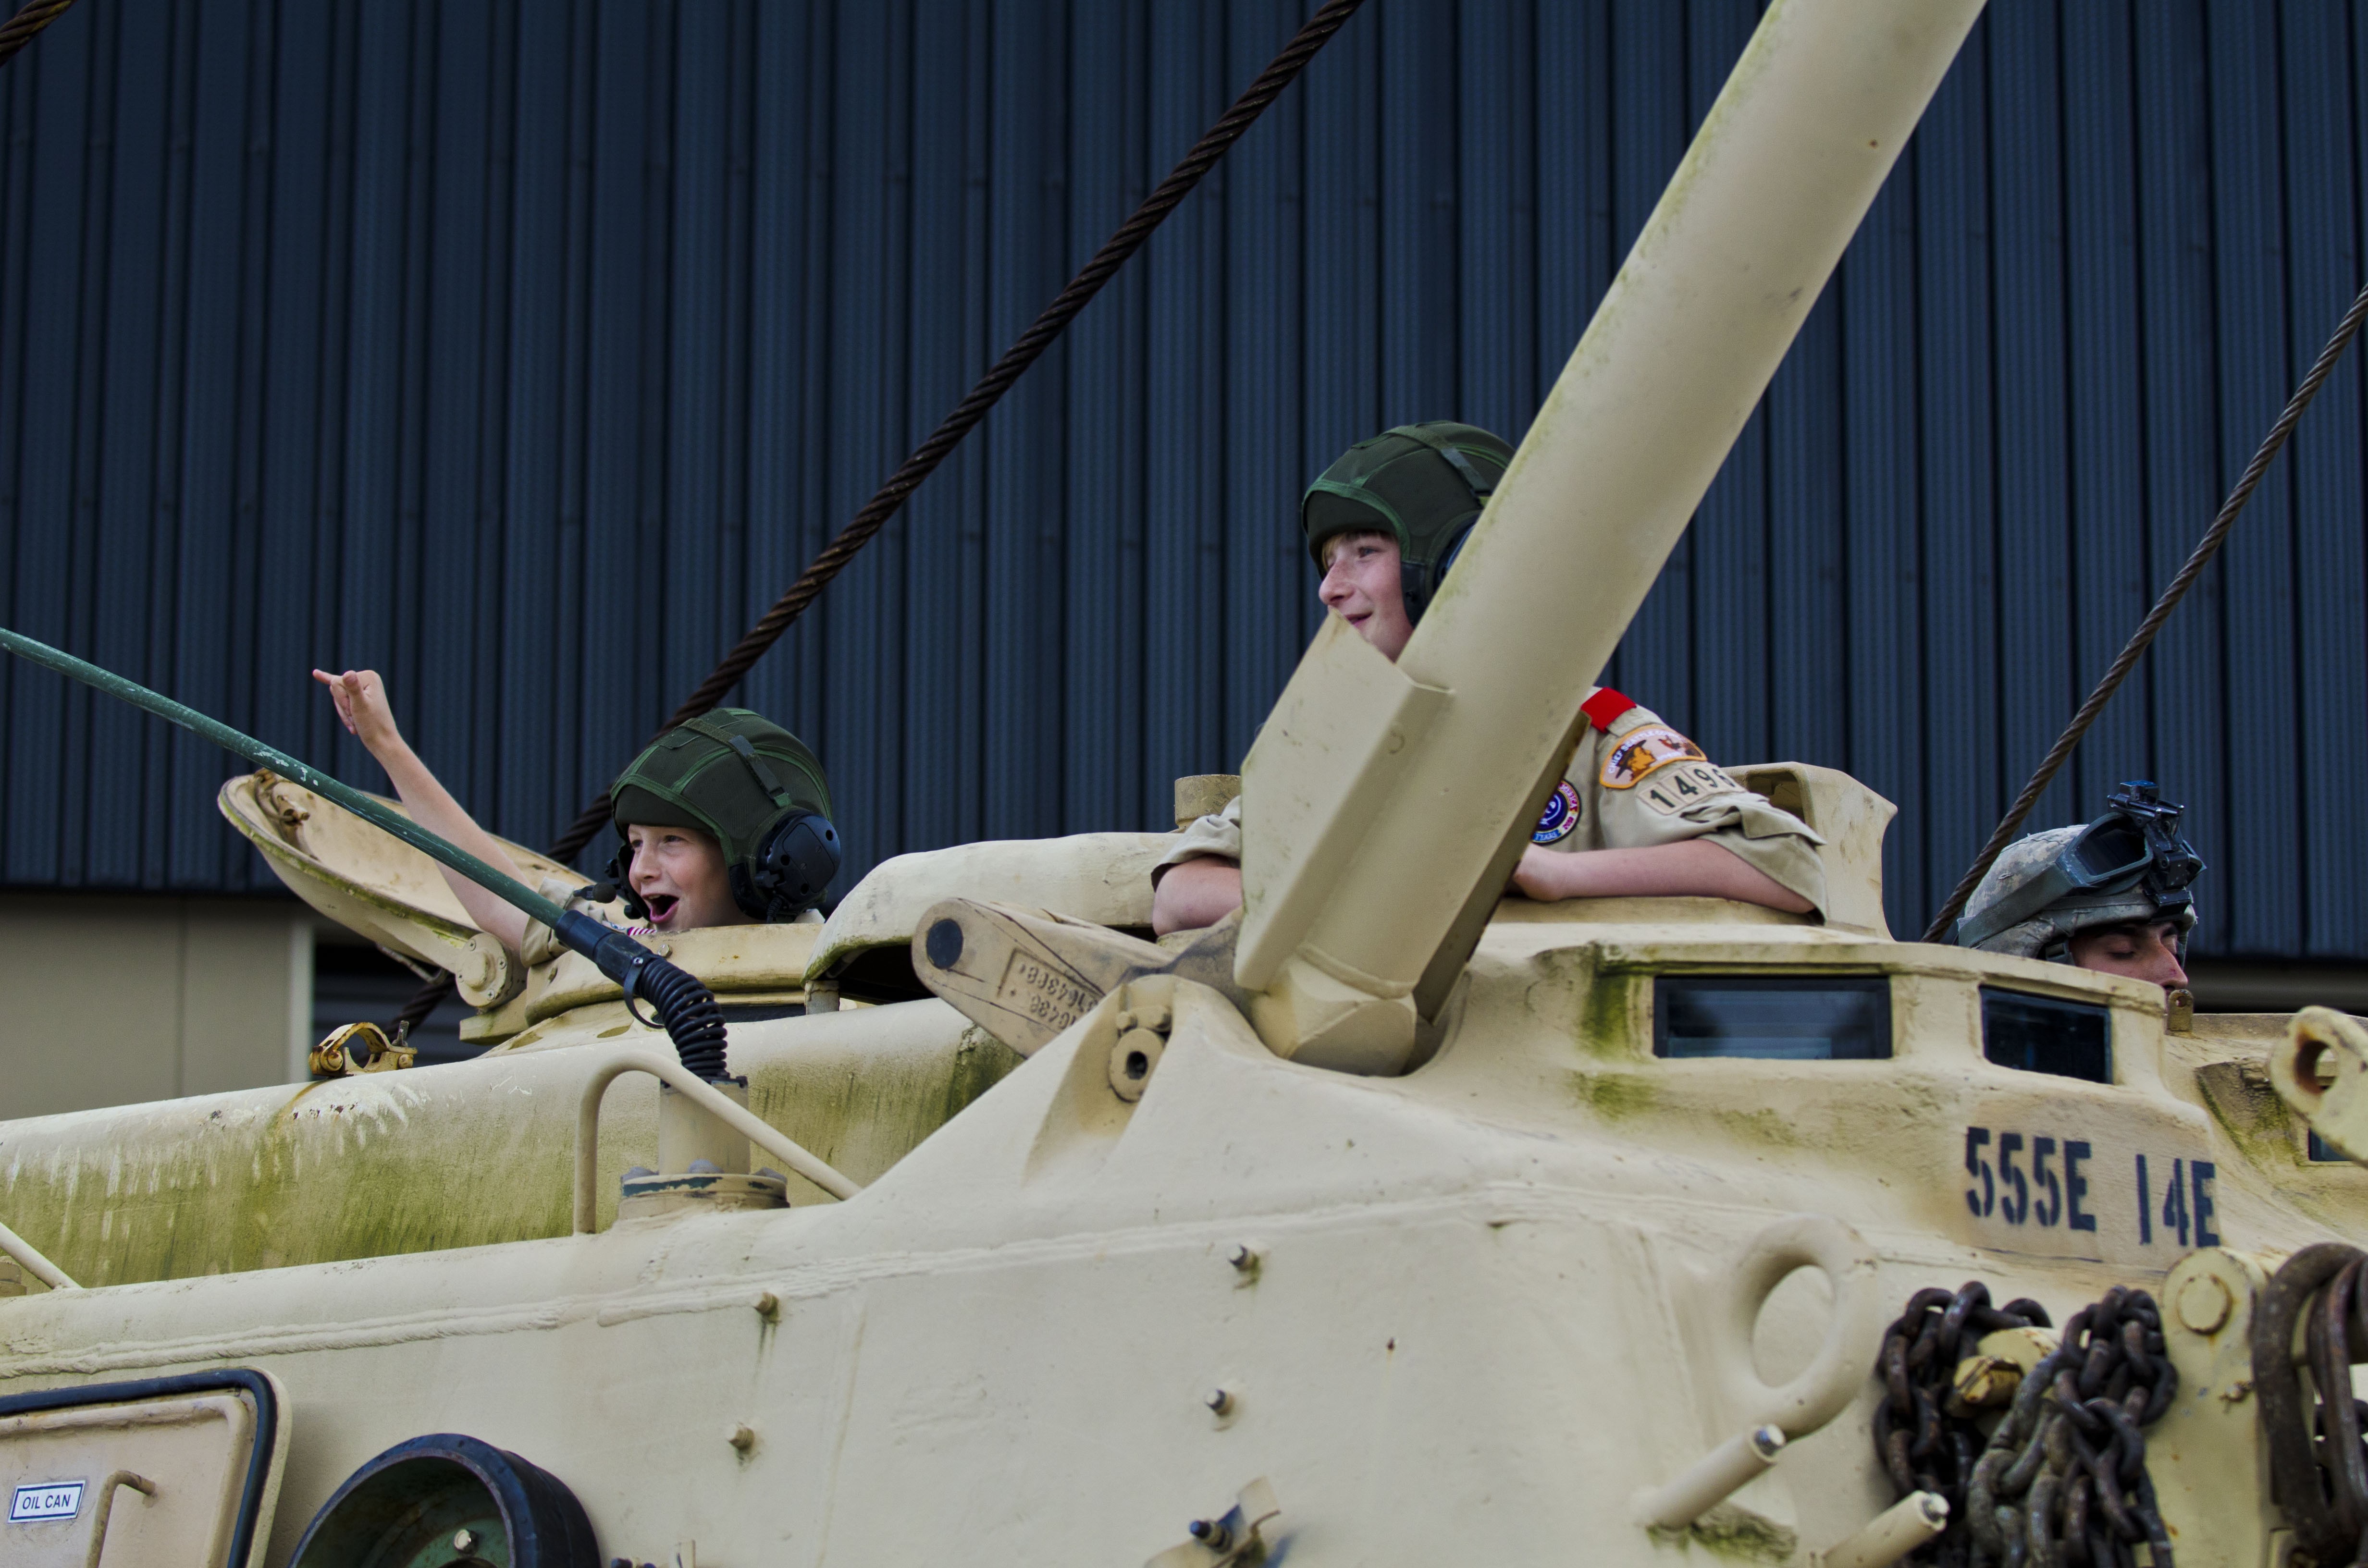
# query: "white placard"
{"points": [[45, 1500]]}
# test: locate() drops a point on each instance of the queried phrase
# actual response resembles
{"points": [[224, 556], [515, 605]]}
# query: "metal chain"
{"points": [[1923, 1446], [31, 17], [2126, 661], [1280, 74], [2318, 1467], [2064, 1480]]}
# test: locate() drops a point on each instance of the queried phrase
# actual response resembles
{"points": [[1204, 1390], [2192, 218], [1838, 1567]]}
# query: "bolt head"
{"points": [[2205, 1303], [742, 1436], [1242, 1258], [464, 1539], [1220, 1401]]}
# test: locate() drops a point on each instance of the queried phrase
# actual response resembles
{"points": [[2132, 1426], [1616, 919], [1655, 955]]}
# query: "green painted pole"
{"points": [[502, 886]]}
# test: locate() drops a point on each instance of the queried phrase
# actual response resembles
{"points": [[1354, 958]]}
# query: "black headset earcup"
{"points": [[796, 862]]}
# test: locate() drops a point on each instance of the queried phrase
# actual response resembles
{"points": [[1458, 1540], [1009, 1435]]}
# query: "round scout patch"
{"points": [[1641, 751], [1560, 819]]}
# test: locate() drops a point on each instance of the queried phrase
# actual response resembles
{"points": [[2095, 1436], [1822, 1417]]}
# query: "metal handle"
{"points": [[106, 1509]]}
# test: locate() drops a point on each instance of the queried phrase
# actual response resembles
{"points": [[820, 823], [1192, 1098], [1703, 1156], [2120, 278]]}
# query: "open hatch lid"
{"points": [[368, 880], [865, 947]]}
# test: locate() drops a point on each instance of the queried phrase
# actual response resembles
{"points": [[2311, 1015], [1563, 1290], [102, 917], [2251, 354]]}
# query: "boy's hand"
{"points": [[362, 707]]}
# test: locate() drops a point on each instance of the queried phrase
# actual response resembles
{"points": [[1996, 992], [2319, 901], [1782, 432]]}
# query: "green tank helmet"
{"points": [[1423, 484], [756, 789], [2131, 864]]}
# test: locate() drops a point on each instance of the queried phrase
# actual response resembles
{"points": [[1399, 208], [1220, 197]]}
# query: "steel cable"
{"points": [[31, 17], [2209, 546], [890, 498]]}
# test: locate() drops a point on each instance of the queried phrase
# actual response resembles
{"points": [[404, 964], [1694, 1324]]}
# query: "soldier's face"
{"points": [[2142, 950], [1361, 586], [679, 873]]}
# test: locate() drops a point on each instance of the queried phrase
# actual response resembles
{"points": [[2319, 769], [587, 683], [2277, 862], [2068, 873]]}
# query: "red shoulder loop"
{"points": [[1603, 709]]}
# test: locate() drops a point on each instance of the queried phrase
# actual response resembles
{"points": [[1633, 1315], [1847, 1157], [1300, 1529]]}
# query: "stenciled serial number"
{"points": [[2042, 1183], [1043, 992]]}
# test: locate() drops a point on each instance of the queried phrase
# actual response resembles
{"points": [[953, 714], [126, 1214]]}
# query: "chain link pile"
{"points": [[1922, 1446], [2064, 1483], [2318, 1467]]}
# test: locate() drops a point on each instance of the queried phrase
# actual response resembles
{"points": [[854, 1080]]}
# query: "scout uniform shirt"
{"points": [[1632, 782]]}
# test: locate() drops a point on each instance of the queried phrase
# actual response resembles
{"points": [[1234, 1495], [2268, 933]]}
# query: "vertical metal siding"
{"points": [[526, 349]]}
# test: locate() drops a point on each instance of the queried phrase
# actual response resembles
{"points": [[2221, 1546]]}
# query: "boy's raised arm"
{"points": [[360, 697]]}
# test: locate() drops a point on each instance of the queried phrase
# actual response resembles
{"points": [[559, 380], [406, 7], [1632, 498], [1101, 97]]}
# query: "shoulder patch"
{"points": [[1642, 750], [1560, 818], [1606, 707]]}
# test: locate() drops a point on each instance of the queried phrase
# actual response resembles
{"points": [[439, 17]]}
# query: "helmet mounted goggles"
{"points": [[2135, 847]]}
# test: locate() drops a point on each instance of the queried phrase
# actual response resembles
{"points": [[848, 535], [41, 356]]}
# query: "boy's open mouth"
{"points": [[662, 905]]}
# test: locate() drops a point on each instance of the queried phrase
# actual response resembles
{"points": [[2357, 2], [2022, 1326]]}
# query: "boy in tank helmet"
{"points": [[2112, 897], [724, 821], [1639, 812]]}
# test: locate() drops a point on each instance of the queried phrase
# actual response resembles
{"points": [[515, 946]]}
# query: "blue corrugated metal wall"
{"points": [[526, 350]]}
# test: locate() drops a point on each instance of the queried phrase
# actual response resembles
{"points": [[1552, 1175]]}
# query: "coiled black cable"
{"points": [[682, 1000]]}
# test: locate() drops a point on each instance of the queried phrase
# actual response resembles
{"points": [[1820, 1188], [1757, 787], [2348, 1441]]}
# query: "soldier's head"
{"points": [[723, 819], [2112, 896], [1385, 521]]}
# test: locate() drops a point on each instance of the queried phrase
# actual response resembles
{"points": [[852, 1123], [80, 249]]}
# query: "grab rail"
{"points": [[40, 1268], [684, 1082]]}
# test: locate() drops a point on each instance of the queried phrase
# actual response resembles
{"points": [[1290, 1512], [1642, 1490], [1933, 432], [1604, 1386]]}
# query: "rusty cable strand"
{"points": [[2064, 1479], [1129, 238], [1922, 1447], [2142, 638], [1280, 74], [2319, 1471], [31, 17]]}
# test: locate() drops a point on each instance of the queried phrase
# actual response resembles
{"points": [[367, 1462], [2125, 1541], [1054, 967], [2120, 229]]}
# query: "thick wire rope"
{"points": [[1280, 74], [31, 17], [2126, 661]]}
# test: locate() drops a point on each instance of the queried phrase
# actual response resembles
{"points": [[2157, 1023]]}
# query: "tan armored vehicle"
{"points": [[1391, 1223]]}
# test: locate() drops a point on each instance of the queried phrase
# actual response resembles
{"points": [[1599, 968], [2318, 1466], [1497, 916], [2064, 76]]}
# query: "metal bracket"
{"points": [[1024, 975], [1231, 1537], [359, 1048]]}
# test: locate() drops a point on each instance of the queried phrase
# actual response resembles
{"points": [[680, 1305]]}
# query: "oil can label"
{"points": [[45, 1500], [2055, 1192]]}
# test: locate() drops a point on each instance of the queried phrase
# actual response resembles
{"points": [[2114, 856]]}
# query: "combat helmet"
{"points": [[751, 785], [2131, 864], [1423, 483]]}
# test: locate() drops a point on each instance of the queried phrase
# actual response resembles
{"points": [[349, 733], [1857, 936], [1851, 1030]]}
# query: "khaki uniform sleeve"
{"points": [[1219, 836], [1642, 783]]}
